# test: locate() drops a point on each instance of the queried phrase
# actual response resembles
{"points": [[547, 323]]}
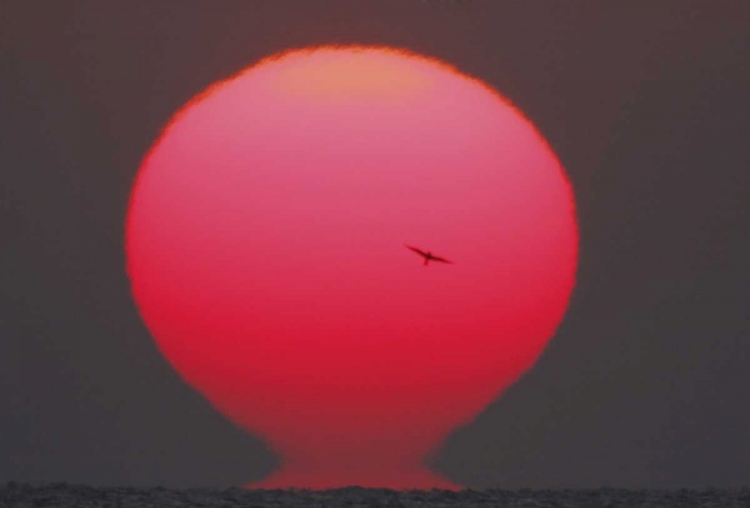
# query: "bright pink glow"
{"points": [[265, 246]]}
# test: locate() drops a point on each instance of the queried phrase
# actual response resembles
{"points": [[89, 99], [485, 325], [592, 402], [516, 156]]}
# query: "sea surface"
{"points": [[64, 495]]}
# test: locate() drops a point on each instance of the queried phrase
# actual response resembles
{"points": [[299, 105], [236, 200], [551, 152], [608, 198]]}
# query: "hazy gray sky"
{"points": [[645, 103]]}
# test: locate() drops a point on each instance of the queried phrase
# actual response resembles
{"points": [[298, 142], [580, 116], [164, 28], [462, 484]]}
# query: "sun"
{"points": [[265, 244]]}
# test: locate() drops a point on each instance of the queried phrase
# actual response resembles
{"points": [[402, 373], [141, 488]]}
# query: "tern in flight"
{"points": [[428, 256]]}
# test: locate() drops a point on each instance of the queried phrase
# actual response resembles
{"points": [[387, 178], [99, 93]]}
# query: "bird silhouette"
{"points": [[428, 256]]}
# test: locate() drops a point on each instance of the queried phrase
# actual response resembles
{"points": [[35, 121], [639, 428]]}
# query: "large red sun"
{"points": [[265, 243]]}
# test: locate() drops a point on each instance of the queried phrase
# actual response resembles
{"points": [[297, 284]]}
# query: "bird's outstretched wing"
{"points": [[421, 253], [441, 260]]}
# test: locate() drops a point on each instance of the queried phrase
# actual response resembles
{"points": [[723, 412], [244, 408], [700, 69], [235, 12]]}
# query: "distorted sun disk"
{"points": [[350, 251]]}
